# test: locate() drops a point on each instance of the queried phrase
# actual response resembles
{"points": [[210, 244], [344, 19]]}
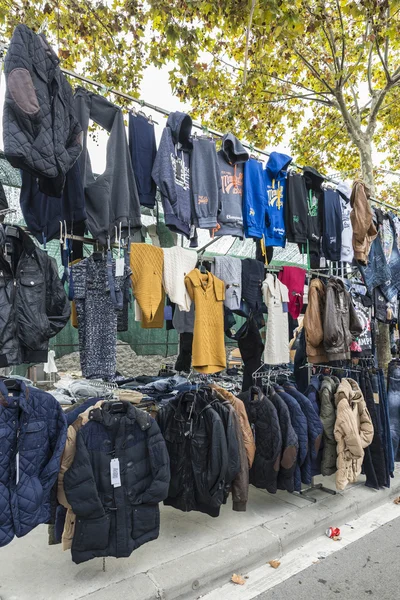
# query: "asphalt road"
{"points": [[368, 568]]}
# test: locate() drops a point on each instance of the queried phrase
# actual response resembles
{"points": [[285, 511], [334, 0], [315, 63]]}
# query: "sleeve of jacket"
{"points": [[232, 447], [66, 462], [218, 457], [189, 288], [331, 326], [313, 320], [366, 427], [80, 486], [344, 430], [159, 461], [162, 172], [57, 437], [58, 308], [327, 415], [355, 325], [240, 485]]}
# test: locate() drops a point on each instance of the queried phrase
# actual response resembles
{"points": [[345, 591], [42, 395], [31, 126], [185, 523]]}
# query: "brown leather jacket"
{"points": [[364, 230], [313, 322], [341, 324]]}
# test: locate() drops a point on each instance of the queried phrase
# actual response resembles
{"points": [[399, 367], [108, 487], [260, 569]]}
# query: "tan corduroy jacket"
{"points": [[353, 432], [364, 230], [66, 462]]}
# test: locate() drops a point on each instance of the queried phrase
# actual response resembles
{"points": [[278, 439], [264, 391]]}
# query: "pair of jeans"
{"points": [[374, 464], [377, 272], [394, 405]]}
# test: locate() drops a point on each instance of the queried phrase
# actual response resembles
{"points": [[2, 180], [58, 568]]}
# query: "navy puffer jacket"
{"points": [[267, 432], [290, 444], [315, 429], [115, 520], [32, 437], [298, 419]]}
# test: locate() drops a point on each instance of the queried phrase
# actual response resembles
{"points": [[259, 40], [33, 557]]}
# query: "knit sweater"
{"points": [[178, 262], [208, 294], [146, 262], [229, 270]]}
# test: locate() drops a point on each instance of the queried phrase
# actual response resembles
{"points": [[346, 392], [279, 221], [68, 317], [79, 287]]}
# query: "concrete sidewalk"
{"points": [[193, 554]]}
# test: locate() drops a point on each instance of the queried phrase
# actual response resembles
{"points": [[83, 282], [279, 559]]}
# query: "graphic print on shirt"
{"points": [[231, 183], [275, 196], [181, 171]]}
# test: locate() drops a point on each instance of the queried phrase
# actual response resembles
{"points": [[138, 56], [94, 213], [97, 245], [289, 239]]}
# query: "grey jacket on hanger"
{"points": [[111, 198]]}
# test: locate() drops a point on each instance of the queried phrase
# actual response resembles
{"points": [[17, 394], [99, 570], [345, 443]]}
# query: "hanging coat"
{"points": [[115, 520], [277, 337]]}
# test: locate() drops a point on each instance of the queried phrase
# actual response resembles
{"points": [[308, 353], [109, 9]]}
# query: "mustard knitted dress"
{"points": [[208, 294], [146, 262]]}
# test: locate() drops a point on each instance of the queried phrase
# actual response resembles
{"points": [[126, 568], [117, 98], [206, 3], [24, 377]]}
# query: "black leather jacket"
{"points": [[33, 304], [198, 452]]}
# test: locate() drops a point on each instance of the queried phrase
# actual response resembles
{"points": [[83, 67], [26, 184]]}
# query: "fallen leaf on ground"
{"points": [[315, 562], [336, 538], [274, 564], [238, 579], [397, 500]]}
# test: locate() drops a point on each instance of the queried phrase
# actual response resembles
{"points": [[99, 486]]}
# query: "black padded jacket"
{"points": [[115, 520], [264, 419], [41, 133]]}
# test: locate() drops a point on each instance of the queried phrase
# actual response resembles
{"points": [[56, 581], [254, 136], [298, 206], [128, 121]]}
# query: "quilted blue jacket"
{"points": [[315, 430], [32, 437], [299, 423]]}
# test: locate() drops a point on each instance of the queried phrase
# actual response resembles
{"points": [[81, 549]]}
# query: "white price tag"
{"points": [[115, 474], [17, 468], [119, 267]]}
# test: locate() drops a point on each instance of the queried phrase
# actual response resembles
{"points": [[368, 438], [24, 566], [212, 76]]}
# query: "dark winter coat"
{"points": [[290, 444], [228, 417], [196, 442], [314, 424], [114, 521], [40, 131], [34, 305], [328, 418], [263, 417], [32, 436], [312, 393], [341, 324], [299, 422]]}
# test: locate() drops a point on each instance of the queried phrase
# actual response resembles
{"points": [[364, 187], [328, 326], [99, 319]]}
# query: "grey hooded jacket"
{"points": [[171, 172], [231, 158], [112, 198]]}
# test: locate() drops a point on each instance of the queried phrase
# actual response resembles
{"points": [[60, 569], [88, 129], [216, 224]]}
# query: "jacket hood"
{"points": [[277, 162], [233, 150], [312, 178], [180, 125], [330, 383], [318, 285], [350, 390], [337, 284], [344, 190], [357, 183]]}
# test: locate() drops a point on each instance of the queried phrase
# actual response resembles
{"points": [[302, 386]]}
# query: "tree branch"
{"points": [[356, 105], [282, 97], [246, 53], [382, 59], [343, 36], [314, 71], [376, 105], [371, 89]]}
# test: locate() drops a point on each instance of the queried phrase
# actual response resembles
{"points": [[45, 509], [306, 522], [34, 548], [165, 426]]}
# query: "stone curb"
{"points": [[191, 576]]}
